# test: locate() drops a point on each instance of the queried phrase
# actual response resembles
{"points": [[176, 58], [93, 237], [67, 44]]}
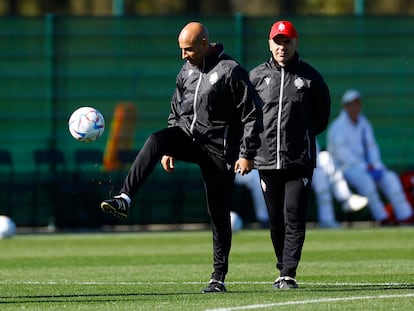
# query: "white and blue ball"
{"points": [[86, 124], [7, 227]]}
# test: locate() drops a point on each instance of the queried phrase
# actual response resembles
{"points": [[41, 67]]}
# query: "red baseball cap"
{"points": [[283, 28]]}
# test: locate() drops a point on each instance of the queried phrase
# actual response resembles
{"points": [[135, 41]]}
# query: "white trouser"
{"points": [[337, 181], [326, 179], [321, 188], [252, 182], [390, 186]]}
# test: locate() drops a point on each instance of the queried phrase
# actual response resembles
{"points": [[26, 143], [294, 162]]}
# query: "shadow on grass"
{"points": [[76, 298], [91, 297], [327, 288]]}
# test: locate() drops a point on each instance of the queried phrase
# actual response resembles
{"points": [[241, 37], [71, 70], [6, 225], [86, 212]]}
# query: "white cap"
{"points": [[349, 96]]}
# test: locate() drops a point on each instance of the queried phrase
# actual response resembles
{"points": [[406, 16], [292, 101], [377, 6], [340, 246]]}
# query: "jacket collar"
{"points": [[213, 58], [290, 64]]}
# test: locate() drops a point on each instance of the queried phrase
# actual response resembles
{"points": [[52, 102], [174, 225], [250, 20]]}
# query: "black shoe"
{"points": [[116, 206], [214, 286], [285, 282]]}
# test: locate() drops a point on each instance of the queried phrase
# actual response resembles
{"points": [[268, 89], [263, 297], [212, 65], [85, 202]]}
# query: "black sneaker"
{"points": [[285, 282], [214, 286], [116, 206]]}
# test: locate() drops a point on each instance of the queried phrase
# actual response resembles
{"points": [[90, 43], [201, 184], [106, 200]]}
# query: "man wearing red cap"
{"points": [[296, 108]]}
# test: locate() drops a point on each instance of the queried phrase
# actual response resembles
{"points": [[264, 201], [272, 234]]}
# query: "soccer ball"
{"points": [[236, 222], [86, 124], [7, 227]]}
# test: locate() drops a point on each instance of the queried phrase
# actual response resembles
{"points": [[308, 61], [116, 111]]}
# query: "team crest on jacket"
{"points": [[213, 78], [267, 80], [299, 83], [190, 72]]}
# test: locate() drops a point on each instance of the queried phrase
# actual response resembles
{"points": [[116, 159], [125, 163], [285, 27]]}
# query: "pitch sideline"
{"points": [[301, 302], [246, 307], [194, 283]]}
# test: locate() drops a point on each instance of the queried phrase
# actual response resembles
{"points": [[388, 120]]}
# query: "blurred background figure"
{"points": [[352, 145], [328, 181]]}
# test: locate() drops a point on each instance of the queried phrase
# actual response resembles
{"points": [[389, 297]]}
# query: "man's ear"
{"points": [[204, 42]]}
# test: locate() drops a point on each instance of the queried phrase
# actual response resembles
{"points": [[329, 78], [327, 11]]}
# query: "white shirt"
{"points": [[353, 145]]}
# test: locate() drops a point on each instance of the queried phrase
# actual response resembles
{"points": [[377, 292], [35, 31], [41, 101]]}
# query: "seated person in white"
{"points": [[252, 182], [353, 147], [327, 181]]}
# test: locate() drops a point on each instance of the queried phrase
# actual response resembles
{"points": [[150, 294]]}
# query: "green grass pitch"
{"points": [[346, 269]]}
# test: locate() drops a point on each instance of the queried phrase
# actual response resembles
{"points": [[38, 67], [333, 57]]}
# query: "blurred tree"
{"points": [[257, 7], [82, 7], [34, 7], [218, 7], [148, 7], [12, 7], [288, 7], [205, 7], [394, 7], [192, 6], [322, 7]]}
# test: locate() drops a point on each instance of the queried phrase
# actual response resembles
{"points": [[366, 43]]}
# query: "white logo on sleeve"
{"points": [[213, 78]]}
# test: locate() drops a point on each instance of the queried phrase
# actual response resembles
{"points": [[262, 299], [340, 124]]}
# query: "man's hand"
{"points": [[376, 174], [243, 166], [167, 163]]}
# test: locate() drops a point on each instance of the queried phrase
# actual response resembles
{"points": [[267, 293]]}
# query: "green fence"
{"points": [[50, 66]]}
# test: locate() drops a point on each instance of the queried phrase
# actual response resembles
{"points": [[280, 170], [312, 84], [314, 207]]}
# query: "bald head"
{"points": [[193, 32], [194, 43]]}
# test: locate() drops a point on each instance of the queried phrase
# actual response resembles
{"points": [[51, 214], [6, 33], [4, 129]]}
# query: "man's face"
{"points": [[353, 109], [192, 50], [283, 48]]}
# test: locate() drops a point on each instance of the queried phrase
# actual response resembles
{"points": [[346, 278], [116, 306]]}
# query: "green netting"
{"points": [[50, 66]]}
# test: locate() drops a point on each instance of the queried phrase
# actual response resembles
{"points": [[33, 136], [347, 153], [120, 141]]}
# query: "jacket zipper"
{"points": [[195, 103], [226, 130], [308, 140], [279, 117]]}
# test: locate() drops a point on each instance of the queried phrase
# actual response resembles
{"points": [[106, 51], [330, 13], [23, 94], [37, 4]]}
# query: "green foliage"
{"points": [[350, 269], [200, 7]]}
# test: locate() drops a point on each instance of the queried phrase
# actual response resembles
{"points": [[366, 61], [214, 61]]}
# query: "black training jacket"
{"points": [[296, 108], [218, 107]]}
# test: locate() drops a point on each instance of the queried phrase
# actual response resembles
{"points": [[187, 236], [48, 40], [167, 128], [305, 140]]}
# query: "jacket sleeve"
{"points": [[249, 107], [322, 105], [175, 103], [373, 155]]}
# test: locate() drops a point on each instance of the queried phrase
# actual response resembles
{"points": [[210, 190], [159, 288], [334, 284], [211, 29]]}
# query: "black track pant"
{"points": [[286, 194], [218, 179]]}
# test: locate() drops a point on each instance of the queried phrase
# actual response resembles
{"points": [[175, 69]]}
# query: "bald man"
{"points": [[214, 122]]}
